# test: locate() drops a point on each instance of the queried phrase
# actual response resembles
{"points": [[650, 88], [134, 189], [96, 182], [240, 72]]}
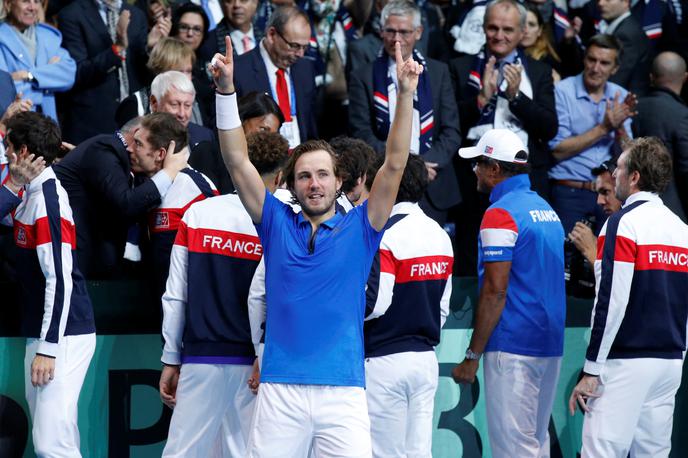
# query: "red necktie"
{"points": [[283, 95], [246, 41]]}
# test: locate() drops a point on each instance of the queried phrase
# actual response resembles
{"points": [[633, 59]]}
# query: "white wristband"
{"points": [[227, 112]]}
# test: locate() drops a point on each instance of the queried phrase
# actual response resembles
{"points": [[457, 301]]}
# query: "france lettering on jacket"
{"points": [[408, 291], [642, 276], [205, 315], [226, 243]]}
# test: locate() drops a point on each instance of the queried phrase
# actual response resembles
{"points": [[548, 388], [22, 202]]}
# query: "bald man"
{"points": [[662, 104]]}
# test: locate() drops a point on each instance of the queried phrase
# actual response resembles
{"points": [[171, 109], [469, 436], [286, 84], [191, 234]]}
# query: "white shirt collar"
{"points": [[612, 26], [269, 66], [642, 195]]}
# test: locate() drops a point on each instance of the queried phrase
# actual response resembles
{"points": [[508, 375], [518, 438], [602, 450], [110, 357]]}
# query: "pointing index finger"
{"points": [[228, 44], [397, 54]]}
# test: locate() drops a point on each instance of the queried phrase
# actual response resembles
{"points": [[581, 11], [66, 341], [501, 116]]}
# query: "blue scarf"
{"points": [[422, 99], [475, 83]]}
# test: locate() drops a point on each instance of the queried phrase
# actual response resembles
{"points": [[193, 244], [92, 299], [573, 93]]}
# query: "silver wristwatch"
{"points": [[470, 354], [29, 77]]}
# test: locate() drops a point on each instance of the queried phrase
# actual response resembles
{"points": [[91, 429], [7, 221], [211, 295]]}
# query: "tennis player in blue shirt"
{"points": [[317, 262]]}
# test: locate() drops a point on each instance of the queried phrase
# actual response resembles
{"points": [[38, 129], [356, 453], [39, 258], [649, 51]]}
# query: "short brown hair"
{"points": [[649, 157], [307, 147], [605, 41], [162, 129], [268, 151]]}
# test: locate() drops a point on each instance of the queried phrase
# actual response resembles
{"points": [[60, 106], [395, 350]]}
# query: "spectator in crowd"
{"points": [[334, 25], [637, 346], [634, 60], [258, 113], [581, 235], [664, 114], [364, 50], [501, 87], [159, 23], [537, 42], [406, 307], [22, 169], [276, 67], [523, 103], [435, 135], [206, 368], [594, 114], [190, 24], [172, 92], [101, 35], [57, 314], [238, 24], [353, 161], [97, 176], [31, 52], [519, 321], [168, 54]]}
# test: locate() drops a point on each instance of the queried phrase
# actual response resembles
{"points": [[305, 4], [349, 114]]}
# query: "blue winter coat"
{"points": [[49, 78]]}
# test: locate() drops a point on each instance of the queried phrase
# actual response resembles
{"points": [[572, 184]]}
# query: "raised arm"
{"points": [[386, 184], [245, 177]]}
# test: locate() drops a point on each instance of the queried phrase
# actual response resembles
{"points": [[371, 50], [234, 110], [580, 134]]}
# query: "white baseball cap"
{"points": [[498, 144]]}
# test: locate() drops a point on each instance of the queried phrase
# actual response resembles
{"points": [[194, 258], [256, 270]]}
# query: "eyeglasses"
{"points": [[194, 29], [403, 33], [293, 46]]}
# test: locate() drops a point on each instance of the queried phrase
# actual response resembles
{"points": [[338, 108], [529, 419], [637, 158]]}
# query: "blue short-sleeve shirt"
{"points": [[522, 228], [315, 292]]}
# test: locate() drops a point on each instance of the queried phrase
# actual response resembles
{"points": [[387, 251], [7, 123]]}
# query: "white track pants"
{"points": [[401, 396], [213, 412], [292, 420], [635, 411], [54, 407], [519, 394]]}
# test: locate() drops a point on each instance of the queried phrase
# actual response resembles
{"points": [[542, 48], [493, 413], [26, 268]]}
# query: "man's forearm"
{"points": [[490, 306], [399, 138], [573, 146]]}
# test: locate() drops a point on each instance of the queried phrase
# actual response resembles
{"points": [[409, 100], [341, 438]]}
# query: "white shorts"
{"points": [[401, 396], [54, 407], [213, 412], [291, 421], [635, 410], [519, 394]]}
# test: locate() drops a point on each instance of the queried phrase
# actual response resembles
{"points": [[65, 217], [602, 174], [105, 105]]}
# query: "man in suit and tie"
{"points": [[276, 67], [107, 39], [435, 136]]}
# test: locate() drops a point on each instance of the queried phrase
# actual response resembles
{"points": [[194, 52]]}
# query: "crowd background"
{"points": [[89, 64]]}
